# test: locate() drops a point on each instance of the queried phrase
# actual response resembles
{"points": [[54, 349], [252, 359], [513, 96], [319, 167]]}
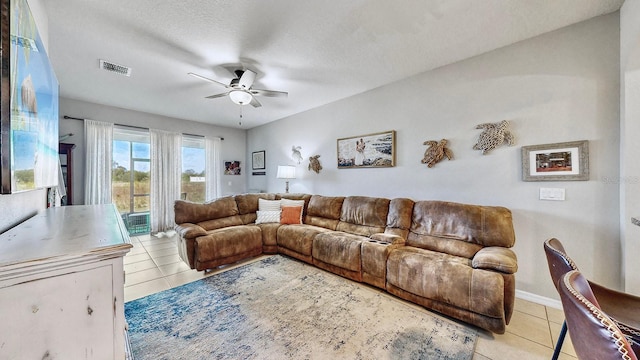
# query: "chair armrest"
{"points": [[391, 239], [189, 230], [496, 258], [622, 307]]}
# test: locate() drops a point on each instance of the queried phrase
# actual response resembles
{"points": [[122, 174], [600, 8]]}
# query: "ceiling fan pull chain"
{"points": [[240, 122]]}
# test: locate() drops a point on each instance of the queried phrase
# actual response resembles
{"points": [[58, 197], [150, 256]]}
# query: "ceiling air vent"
{"points": [[119, 69]]}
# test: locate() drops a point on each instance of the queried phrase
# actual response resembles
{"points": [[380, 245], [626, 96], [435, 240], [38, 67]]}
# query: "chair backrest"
{"points": [[558, 260], [593, 334]]}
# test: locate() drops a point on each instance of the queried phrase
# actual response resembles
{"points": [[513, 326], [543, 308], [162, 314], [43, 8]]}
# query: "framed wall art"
{"points": [[258, 160], [28, 104], [232, 168], [567, 161], [372, 150]]}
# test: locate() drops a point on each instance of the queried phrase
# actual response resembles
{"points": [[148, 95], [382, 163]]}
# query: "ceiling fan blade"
{"points": [[207, 79], [255, 102], [217, 96], [269, 93], [247, 78]]}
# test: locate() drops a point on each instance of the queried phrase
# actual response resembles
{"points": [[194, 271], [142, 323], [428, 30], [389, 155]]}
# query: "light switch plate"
{"points": [[556, 194]]}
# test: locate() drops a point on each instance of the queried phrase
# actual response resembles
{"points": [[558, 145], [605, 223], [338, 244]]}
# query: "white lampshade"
{"points": [[286, 172], [240, 97]]}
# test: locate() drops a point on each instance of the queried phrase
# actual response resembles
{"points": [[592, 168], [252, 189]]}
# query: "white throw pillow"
{"points": [[267, 217], [289, 202], [268, 205]]}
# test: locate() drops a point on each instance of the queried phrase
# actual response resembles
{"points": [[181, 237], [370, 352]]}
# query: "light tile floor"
{"points": [[153, 265]]}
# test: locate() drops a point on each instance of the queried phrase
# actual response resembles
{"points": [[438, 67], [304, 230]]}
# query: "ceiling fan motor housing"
{"points": [[241, 89]]}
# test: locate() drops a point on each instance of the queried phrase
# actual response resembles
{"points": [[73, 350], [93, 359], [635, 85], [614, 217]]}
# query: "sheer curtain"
{"points": [[212, 167], [98, 137], [166, 169]]}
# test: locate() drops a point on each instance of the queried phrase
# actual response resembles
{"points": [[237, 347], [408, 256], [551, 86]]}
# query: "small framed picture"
{"points": [[567, 161], [258, 160], [232, 168]]}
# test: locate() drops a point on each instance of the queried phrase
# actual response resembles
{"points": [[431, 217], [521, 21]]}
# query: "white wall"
{"points": [[561, 86], [18, 207], [630, 146], [233, 146]]}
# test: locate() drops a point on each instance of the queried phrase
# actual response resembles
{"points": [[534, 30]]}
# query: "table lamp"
{"points": [[286, 172]]}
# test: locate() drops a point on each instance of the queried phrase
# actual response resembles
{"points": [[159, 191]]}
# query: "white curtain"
{"points": [[212, 167], [166, 169], [98, 137]]}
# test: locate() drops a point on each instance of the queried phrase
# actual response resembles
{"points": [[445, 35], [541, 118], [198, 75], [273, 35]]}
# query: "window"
{"points": [[130, 182], [193, 185]]}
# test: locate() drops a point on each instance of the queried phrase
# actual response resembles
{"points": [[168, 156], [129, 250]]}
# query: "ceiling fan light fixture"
{"points": [[240, 97]]}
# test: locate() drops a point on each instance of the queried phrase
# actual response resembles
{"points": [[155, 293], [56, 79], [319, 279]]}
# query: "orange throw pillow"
{"points": [[291, 215]]}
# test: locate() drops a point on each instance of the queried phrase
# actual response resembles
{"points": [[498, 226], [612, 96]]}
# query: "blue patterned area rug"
{"points": [[279, 308]]}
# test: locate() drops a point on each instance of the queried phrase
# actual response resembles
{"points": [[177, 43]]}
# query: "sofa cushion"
{"points": [[399, 217], [445, 245], [269, 237], [363, 215], [298, 238], [189, 231], [472, 224], [496, 258], [190, 212], [228, 242], [324, 211], [248, 203], [447, 279], [339, 249], [215, 224]]}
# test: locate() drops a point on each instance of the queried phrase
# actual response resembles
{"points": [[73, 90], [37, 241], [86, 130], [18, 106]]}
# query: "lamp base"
{"points": [[286, 189]]}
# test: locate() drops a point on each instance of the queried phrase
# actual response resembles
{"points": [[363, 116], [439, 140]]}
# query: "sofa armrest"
{"points": [[496, 258], [190, 231], [391, 239]]}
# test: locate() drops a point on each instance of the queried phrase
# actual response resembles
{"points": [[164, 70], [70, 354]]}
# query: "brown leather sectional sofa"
{"points": [[449, 257]]}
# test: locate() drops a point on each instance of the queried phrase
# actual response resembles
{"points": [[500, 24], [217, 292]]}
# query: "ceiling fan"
{"points": [[240, 89]]}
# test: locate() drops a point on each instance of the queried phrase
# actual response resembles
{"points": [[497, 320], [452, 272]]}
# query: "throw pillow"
{"points": [[291, 215], [289, 202], [267, 217], [268, 205]]}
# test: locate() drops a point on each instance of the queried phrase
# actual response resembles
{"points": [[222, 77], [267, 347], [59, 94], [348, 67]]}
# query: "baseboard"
{"points": [[556, 304]]}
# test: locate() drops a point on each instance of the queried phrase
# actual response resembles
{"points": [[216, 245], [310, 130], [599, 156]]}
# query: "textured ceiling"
{"points": [[318, 51]]}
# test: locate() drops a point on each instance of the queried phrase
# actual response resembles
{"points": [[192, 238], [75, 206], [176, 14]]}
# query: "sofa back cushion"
{"points": [[362, 215], [248, 205], [211, 215], [324, 211], [459, 229], [399, 217]]}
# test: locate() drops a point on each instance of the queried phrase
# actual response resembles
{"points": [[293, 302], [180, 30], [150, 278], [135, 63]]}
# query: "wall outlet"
{"points": [[556, 194]]}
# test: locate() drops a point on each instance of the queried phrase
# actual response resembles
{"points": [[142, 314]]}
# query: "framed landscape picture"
{"points": [[565, 161], [258, 160], [371, 150]]}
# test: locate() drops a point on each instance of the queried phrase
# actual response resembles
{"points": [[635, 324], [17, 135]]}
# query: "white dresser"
{"points": [[62, 285]]}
